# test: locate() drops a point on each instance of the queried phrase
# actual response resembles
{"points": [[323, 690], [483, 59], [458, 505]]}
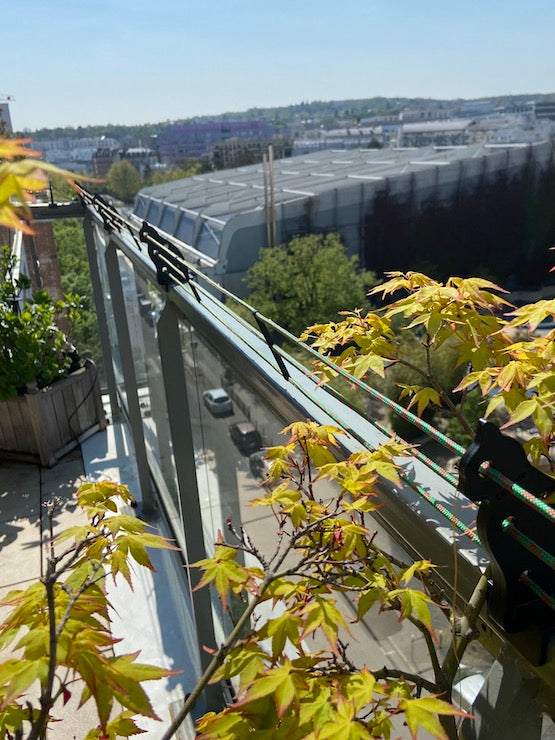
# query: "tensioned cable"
{"points": [[443, 439], [449, 477], [541, 507], [538, 590], [436, 467], [509, 528]]}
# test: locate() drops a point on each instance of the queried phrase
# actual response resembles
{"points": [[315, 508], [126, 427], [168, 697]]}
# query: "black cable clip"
{"points": [[189, 279], [167, 258], [269, 341], [155, 244], [102, 207]]}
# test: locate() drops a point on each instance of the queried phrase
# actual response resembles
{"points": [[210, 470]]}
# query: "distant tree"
{"points": [[187, 169], [61, 189], [124, 180], [307, 281], [190, 163], [76, 278]]}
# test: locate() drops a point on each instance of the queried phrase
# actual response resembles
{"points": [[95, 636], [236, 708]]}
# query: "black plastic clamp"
{"points": [[512, 605], [167, 258]]}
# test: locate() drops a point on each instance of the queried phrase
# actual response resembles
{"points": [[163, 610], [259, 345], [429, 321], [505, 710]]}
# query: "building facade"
{"points": [[180, 140]]}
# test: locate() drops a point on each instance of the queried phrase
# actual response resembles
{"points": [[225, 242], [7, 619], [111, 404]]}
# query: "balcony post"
{"points": [[129, 377], [98, 295], [175, 385]]}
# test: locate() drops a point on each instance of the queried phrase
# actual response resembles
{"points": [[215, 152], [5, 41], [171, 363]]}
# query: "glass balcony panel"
{"points": [[226, 478], [154, 412], [101, 242], [143, 305]]}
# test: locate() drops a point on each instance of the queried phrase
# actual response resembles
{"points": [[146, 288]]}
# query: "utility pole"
{"points": [[272, 199], [269, 201]]}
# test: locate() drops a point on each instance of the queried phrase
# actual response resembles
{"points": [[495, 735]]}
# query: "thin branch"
{"points": [[444, 395], [80, 591], [432, 652], [385, 673], [46, 693]]}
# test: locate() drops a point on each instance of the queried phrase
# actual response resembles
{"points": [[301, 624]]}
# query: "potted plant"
{"points": [[33, 347], [48, 400]]}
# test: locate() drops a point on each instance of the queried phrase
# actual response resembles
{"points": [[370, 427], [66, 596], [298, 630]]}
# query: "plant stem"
{"points": [[460, 641], [429, 378], [39, 726], [385, 672], [466, 632], [432, 652]]}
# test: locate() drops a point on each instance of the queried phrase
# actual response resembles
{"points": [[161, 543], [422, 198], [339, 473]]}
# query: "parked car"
{"points": [[217, 401], [259, 465], [245, 437]]}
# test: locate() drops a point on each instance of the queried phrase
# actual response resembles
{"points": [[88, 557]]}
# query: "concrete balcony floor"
{"points": [[154, 618]]}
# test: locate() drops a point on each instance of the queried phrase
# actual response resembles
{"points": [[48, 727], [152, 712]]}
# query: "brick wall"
{"points": [[42, 247]]}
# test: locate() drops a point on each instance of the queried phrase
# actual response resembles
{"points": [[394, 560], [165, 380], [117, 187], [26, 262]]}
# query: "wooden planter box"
{"points": [[45, 425]]}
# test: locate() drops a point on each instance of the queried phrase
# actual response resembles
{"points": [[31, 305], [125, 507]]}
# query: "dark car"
{"points": [[259, 465], [246, 437]]}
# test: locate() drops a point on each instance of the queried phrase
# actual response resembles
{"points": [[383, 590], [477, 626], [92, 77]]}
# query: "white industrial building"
{"points": [[223, 219]]}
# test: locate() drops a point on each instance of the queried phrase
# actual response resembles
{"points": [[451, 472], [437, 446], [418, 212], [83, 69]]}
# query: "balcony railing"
{"points": [[169, 333]]}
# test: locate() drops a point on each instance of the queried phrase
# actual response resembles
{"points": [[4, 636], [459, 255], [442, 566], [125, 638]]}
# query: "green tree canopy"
{"points": [[188, 168], [307, 281], [124, 180]]}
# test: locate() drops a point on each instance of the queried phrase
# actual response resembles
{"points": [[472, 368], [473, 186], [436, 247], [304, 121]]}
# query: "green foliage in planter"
{"points": [[32, 346]]}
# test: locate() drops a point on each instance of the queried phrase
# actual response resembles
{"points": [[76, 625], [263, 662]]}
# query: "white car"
{"points": [[217, 401]]}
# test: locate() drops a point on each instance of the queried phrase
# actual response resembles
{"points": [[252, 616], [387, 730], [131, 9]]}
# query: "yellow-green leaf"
{"points": [[422, 713]]}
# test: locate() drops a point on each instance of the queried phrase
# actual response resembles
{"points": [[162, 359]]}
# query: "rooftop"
{"points": [[228, 192]]}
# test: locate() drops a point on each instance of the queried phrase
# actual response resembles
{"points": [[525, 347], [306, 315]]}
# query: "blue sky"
{"points": [[137, 61]]}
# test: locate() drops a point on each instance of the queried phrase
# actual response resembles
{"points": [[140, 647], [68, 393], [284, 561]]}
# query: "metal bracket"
{"points": [[511, 603], [101, 206], [132, 235], [167, 258], [277, 357]]}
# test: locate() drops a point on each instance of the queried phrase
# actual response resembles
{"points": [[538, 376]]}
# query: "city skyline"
{"points": [[132, 61]]}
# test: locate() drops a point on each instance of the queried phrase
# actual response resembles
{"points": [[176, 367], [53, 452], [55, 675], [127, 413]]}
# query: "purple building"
{"points": [[197, 139]]}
